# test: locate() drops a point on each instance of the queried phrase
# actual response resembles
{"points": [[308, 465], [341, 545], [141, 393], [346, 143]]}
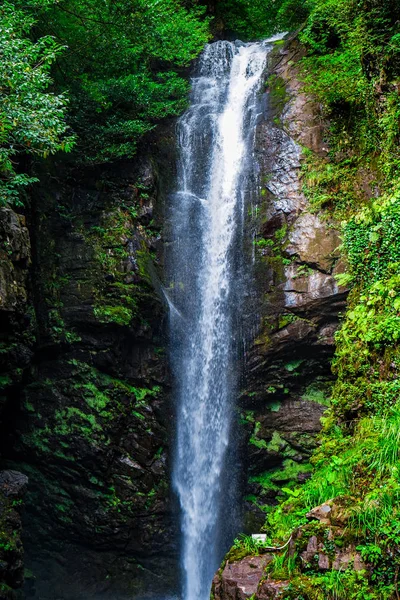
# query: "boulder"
{"points": [[271, 590], [239, 580]]}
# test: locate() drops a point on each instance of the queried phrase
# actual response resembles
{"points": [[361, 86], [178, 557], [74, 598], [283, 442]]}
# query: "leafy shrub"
{"points": [[261, 18], [32, 117], [123, 67]]}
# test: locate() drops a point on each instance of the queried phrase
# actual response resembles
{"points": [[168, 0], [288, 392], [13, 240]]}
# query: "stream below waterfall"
{"points": [[205, 267]]}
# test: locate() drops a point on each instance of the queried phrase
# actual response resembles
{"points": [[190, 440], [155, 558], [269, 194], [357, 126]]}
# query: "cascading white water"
{"points": [[215, 138]]}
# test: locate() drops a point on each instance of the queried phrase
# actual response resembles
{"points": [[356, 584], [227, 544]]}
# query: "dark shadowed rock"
{"points": [[90, 424], [15, 256], [13, 486]]}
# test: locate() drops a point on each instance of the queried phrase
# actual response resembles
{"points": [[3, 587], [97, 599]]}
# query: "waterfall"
{"points": [[207, 214]]}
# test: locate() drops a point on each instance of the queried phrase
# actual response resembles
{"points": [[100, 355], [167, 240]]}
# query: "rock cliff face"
{"points": [[239, 580], [16, 325], [15, 314], [85, 405], [287, 372]]}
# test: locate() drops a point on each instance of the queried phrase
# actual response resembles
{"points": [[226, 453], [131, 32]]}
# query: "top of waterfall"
{"points": [[216, 59]]}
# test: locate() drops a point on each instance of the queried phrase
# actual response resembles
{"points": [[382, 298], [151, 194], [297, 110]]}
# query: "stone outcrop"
{"points": [[239, 580], [15, 259], [271, 590], [298, 300]]}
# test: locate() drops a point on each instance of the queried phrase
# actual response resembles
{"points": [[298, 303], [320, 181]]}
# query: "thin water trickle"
{"points": [[215, 139]]}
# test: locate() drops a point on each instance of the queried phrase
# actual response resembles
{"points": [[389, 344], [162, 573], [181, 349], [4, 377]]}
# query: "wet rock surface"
{"points": [[298, 301], [16, 340], [16, 317], [271, 590]]}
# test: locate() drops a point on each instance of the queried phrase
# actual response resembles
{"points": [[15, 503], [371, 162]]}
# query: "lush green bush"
{"points": [[119, 65], [352, 67], [122, 69], [32, 118], [255, 19]]}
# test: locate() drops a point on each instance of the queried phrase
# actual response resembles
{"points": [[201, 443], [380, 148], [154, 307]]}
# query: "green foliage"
{"points": [[370, 240], [272, 480], [96, 402], [317, 393], [352, 69], [113, 314], [5, 381], [367, 360], [244, 545], [373, 323], [122, 67], [337, 585], [120, 299], [32, 118], [116, 65], [282, 565], [260, 18], [364, 480]]}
